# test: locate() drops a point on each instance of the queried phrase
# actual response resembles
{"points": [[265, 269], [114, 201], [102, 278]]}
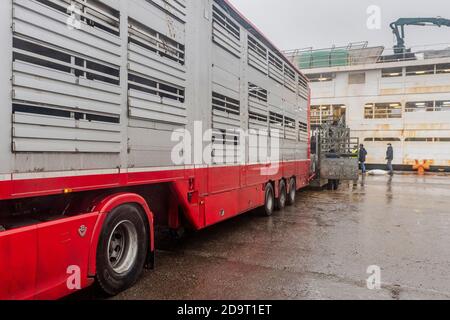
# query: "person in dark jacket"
{"points": [[390, 158], [362, 158]]}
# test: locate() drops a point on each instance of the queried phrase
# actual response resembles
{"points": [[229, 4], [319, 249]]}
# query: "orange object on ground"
{"points": [[422, 166]]}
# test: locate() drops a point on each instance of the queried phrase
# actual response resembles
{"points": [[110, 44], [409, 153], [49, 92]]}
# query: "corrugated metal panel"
{"points": [[65, 100]]}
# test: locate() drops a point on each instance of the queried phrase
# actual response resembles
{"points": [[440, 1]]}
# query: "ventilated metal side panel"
{"points": [[226, 122], [258, 107], [66, 94], [276, 122], [302, 119], [290, 126], [303, 91], [226, 104], [276, 68], [303, 131], [257, 55], [226, 32], [176, 8], [37, 133], [290, 80], [156, 62]]}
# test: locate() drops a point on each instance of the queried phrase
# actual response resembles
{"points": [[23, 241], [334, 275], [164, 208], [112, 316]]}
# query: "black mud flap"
{"points": [[150, 262]]}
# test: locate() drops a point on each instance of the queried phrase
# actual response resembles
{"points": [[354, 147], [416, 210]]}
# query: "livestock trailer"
{"points": [[106, 105]]}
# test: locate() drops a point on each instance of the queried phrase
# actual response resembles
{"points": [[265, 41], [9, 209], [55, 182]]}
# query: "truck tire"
{"points": [[269, 201], [292, 192], [282, 197], [122, 249]]}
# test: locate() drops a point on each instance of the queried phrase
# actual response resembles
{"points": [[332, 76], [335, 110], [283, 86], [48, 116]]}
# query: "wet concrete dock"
{"points": [[318, 249]]}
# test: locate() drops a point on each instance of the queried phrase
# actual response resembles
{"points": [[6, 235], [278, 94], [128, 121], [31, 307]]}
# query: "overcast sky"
{"points": [[293, 24]]}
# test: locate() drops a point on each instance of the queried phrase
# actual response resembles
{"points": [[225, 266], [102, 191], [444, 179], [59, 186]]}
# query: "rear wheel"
{"points": [[269, 202], [292, 192], [122, 249], [282, 197]]}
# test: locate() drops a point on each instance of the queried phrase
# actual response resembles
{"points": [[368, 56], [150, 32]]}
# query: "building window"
{"points": [[357, 78], [428, 106], [419, 139], [419, 106], [392, 72], [327, 114], [321, 77], [443, 68], [382, 140], [383, 111], [420, 70], [442, 106], [415, 139]]}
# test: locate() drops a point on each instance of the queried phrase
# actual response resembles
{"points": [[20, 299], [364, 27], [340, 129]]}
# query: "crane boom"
{"points": [[398, 28]]}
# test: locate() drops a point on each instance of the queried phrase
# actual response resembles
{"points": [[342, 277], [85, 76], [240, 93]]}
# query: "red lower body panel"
{"points": [[36, 262]]}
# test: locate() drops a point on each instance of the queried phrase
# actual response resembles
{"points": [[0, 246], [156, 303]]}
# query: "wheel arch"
{"points": [[103, 207]]}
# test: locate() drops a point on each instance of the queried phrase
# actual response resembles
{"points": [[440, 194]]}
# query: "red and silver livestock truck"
{"points": [[93, 93]]}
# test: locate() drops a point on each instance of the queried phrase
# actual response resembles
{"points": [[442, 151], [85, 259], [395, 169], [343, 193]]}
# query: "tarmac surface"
{"points": [[320, 248]]}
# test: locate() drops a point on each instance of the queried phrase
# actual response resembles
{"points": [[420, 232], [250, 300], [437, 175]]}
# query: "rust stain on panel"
{"points": [[430, 89], [413, 90]]}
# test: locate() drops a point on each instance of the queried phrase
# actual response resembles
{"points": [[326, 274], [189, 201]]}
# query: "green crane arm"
{"points": [[398, 27]]}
